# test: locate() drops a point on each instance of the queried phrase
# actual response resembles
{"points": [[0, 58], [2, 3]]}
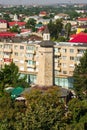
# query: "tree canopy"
{"points": [[10, 76], [80, 78]]}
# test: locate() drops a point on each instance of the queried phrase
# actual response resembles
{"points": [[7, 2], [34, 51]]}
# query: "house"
{"points": [[81, 28], [82, 21], [3, 25], [43, 13], [61, 16]]}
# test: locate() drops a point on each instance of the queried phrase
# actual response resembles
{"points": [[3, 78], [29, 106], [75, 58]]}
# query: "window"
{"points": [[64, 57], [30, 47], [81, 51], [29, 55], [57, 50], [64, 72], [21, 47], [15, 47], [1, 46], [7, 46], [71, 50], [30, 62], [56, 72], [77, 58], [21, 54], [32, 78], [64, 50], [64, 64], [71, 58], [16, 53]]}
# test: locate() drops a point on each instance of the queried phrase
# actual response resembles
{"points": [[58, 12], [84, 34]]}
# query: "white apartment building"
{"points": [[44, 62]]}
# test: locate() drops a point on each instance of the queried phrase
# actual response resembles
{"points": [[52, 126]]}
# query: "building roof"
{"points": [[46, 44], [3, 21], [79, 38], [43, 12], [82, 19], [7, 34], [17, 23]]}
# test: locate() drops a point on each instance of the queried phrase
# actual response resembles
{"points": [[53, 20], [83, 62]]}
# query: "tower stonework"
{"points": [[45, 76]]}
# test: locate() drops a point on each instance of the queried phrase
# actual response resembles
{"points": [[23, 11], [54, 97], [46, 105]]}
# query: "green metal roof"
{"points": [[16, 92]]}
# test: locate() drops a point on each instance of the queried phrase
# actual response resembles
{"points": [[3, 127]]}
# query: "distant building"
{"points": [[82, 21], [61, 16], [3, 25], [43, 13], [81, 28]]}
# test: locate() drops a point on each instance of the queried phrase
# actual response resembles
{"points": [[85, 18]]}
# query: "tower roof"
{"points": [[46, 44]]}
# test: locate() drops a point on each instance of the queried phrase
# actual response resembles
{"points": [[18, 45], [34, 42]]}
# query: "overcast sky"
{"points": [[38, 1]]}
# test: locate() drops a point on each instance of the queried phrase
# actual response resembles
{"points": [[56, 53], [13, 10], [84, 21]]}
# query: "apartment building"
{"points": [[44, 62]]}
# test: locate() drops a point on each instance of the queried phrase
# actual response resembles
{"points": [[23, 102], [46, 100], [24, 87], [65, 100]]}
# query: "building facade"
{"points": [[44, 62]]}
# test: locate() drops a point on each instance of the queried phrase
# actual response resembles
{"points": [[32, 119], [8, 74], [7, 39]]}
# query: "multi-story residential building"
{"points": [[44, 62]]}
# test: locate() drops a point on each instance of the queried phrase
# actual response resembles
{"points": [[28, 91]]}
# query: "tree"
{"points": [[55, 28], [68, 30], [59, 26], [31, 24], [9, 76], [80, 77], [78, 110], [45, 110], [15, 28], [7, 17]]}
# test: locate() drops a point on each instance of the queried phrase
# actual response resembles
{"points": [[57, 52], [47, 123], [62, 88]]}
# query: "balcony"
{"points": [[31, 51], [29, 58], [79, 54], [55, 60], [57, 53], [31, 66], [7, 56], [7, 50], [58, 68]]}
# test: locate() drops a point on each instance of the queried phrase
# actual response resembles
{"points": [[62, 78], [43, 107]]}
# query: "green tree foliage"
{"points": [[15, 28], [44, 110], [78, 111], [10, 113], [55, 28], [80, 78], [9, 76], [31, 24], [68, 30], [7, 17]]}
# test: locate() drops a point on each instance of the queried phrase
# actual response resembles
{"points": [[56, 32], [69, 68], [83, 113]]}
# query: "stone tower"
{"points": [[45, 76]]}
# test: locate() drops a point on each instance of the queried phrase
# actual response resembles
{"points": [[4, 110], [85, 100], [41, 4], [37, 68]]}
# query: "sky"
{"points": [[37, 2]]}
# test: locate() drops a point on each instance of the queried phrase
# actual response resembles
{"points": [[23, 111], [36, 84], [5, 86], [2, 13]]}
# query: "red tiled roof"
{"points": [[43, 12], [17, 23], [82, 19], [3, 21], [79, 38], [7, 34]]}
